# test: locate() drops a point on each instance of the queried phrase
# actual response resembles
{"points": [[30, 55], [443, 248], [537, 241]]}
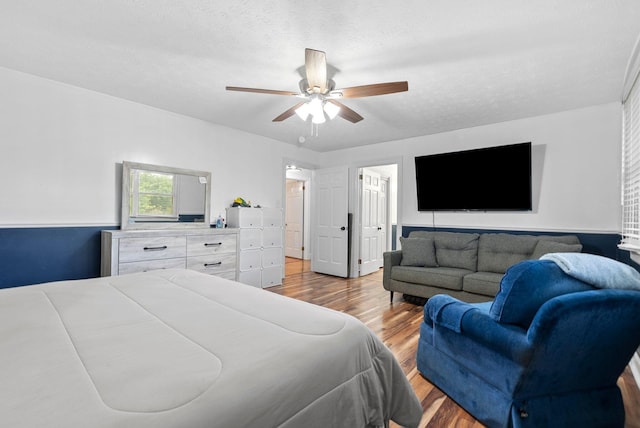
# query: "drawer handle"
{"points": [[164, 247], [212, 244], [212, 264]]}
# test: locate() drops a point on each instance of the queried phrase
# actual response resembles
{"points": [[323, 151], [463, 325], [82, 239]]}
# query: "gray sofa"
{"points": [[467, 266]]}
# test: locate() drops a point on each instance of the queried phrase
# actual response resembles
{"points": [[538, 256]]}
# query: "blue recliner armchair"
{"points": [[547, 352]]}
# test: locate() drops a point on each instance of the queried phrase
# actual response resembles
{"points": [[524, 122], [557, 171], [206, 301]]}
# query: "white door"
{"points": [[370, 237], [330, 221], [294, 219]]}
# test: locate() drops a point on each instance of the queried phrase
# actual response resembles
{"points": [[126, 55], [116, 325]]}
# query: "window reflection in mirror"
{"points": [[152, 194], [164, 197]]}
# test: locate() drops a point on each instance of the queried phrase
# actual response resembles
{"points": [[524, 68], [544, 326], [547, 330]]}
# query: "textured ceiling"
{"points": [[467, 62]]}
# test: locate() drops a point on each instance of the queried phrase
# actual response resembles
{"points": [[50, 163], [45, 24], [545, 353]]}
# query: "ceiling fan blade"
{"points": [[287, 114], [261, 91], [371, 90], [346, 113], [315, 63]]}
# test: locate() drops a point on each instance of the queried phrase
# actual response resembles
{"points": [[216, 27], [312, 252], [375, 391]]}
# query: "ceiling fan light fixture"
{"points": [[318, 118], [315, 106], [331, 109], [303, 111]]}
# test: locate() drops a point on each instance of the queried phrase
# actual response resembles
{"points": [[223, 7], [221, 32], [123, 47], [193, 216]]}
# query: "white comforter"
{"points": [[178, 348]]}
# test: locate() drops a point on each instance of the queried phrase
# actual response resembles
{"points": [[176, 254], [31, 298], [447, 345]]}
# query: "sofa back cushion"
{"points": [[418, 252], [527, 286], [422, 234], [499, 251], [565, 239], [545, 246], [457, 250]]}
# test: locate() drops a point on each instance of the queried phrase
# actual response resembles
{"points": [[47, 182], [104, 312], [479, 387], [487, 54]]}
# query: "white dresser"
{"points": [[212, 251], [261, 256]]}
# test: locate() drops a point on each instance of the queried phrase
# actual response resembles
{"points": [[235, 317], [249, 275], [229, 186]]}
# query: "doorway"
{"points": [[296, 230], [377, 214], [387, 214]]}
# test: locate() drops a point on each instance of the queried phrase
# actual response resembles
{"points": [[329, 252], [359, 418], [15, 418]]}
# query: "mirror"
{"points": [[161, 197]]}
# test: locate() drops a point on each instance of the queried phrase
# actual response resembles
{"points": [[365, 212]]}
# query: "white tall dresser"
{"points": [[260, 256]]}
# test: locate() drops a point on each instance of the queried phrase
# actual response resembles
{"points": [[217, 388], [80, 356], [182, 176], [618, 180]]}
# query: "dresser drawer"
{"points": [[271, 257], [249, 217], [161, 247], [250, 239], [143, 266], [250, 259], [271, 276], [251, 277], [213, 264], [271, 237], [201, 245]]}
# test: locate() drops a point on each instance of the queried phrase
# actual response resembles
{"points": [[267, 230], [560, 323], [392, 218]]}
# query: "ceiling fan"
{"points": [[319, 96]]}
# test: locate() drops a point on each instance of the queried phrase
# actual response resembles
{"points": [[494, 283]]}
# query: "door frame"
{"points": [[372, 194], [307, 207], [355, 204], [303, 220]]}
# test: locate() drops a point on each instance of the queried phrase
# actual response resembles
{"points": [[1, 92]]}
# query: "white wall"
{"points": [[576, 171], [62, 146]]}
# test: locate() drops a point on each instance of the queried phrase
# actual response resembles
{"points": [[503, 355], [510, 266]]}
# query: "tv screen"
{"points": [[487, 179]]}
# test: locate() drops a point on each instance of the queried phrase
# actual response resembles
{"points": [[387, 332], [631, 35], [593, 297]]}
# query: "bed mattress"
{"points": [[178, 348]]}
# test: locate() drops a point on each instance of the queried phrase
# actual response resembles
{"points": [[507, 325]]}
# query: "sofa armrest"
{"points": [[390, 259]]}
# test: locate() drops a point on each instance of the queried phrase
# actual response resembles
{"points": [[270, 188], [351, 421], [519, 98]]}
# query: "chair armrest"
{"points": [[473, 322], [389, 259], [447, 311], [507, 339]]}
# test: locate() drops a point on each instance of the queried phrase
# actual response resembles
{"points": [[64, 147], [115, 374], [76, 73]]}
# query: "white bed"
{"points": [[178, 348]]}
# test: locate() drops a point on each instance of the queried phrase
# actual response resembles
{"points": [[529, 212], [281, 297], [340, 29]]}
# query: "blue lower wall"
{"points": [[36, 255], [43, 254]]}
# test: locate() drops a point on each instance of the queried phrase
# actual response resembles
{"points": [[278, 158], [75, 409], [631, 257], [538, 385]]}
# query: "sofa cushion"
{"points": [[565, 239], [527, 286], [448, 278], [545, 246], [457, 250], [485, 283], [497, 252], [418, 252]]}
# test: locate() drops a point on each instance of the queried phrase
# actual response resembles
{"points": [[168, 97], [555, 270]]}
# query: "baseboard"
{"points": [[634, 365]]}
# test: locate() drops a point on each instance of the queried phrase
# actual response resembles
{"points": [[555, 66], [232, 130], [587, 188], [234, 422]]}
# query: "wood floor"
{"points": [[397, 325]]}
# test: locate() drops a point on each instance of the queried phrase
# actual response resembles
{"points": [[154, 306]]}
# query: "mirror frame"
{"points": [[126, 174]]}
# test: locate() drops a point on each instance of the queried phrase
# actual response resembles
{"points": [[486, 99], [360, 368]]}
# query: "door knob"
{"points": [[379, 228], [343, 228]]}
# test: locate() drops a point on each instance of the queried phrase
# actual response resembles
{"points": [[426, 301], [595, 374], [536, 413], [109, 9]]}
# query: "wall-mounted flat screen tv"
{"points": [[487, 179]]}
